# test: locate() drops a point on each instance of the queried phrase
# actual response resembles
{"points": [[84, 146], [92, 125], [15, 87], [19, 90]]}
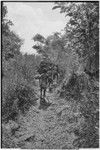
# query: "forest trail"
{"points": [[48, 128], [65, 53]]}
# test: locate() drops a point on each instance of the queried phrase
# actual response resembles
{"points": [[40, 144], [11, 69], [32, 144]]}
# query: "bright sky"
{"points": [[30, 18]]}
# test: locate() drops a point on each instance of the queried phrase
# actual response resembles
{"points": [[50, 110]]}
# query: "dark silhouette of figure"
{"points": [[43, 84], [50, 79]]}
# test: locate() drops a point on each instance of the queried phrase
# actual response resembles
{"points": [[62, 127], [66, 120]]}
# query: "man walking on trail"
{"points": [[43, 84], [50, 78], [43, 81]]}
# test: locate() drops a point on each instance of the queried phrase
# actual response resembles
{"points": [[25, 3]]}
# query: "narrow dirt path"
{"points": [[50, 128]]}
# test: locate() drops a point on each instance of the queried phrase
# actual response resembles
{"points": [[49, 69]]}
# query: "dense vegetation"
{"points": [[75, 52], [82, 37], [18, 73]]}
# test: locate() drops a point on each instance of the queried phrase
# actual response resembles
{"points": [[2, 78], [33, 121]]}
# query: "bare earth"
{"points": [[49, 128]]}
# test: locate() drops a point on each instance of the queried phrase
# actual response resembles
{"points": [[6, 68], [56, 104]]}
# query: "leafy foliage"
{"points": [[18, 73], [82, 30], [76, 54], [81, 35], [39, 38], [83, 90]]}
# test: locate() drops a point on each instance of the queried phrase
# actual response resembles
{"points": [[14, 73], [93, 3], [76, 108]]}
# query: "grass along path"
{"points": [[52, 128]]}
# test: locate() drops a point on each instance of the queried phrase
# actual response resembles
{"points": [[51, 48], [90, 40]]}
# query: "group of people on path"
{"points": [[47, 78]]}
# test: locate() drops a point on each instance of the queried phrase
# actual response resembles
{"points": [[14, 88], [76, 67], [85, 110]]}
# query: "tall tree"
{"points": [[11, 42], [82, 30]]}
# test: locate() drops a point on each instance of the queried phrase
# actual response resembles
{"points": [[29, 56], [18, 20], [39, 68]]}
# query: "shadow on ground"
{"points": [[44, 104]]}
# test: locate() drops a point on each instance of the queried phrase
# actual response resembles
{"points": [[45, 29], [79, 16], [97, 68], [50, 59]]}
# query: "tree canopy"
{"points": [[82, 30]]}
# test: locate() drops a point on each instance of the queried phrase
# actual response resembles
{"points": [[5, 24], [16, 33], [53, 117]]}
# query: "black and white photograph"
{"points": [[50, 75]]}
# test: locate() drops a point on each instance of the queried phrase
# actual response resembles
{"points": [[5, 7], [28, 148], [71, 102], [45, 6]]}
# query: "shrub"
{"points": [[17, 99], [85, 92]]}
